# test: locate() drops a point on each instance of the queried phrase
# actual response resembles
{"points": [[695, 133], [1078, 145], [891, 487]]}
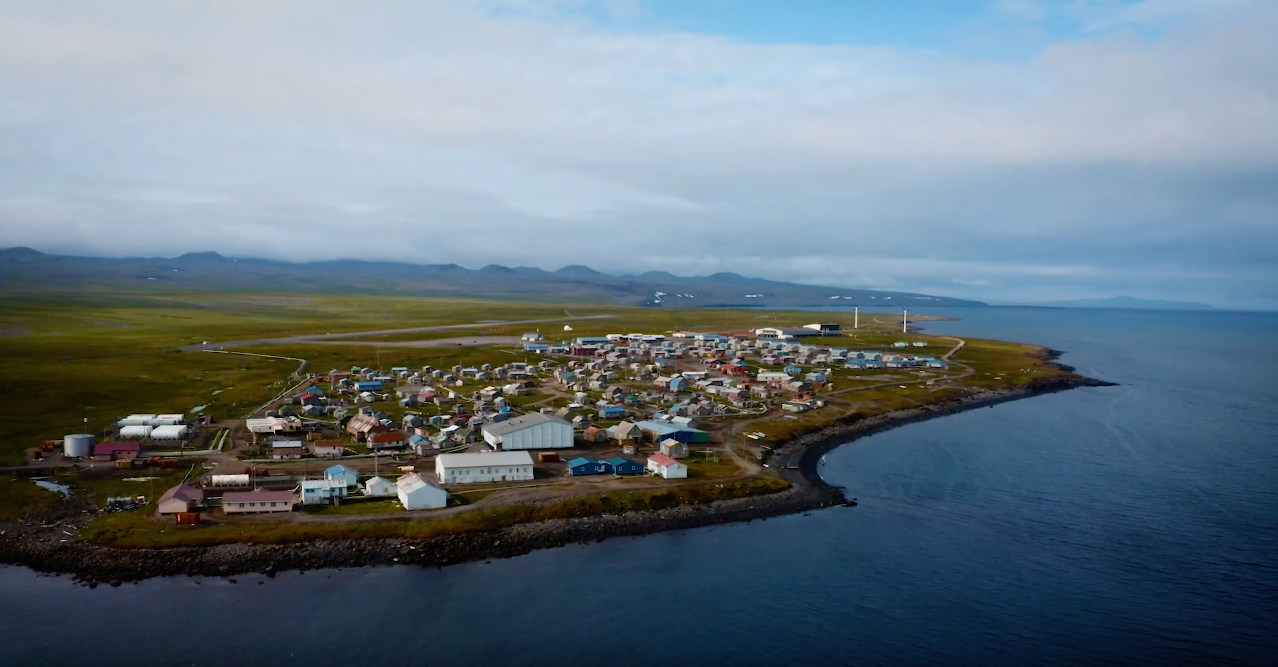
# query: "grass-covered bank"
{"points": [[134, 530]]}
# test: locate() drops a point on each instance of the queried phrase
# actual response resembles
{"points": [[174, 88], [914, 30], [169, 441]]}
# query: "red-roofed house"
{"points": [[387, 440], [668, 468], [116, 451]]}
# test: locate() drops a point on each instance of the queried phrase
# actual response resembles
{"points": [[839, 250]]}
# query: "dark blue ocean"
{"points": [[1131, 525]]}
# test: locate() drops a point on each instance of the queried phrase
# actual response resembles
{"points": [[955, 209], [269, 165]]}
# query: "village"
{"points": [[583, 415]]}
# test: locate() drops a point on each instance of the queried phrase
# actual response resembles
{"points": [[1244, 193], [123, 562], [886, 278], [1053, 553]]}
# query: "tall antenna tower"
{"points": [[905, 321], [856, 317]]}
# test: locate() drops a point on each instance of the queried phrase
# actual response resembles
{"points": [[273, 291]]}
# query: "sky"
{"points": [[1002, 150]]}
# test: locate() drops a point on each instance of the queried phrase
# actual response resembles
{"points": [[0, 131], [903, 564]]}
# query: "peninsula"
{"points": [[221, 433]]}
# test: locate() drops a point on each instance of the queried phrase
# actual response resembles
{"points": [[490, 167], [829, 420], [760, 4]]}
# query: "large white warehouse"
{"points": [[483, 467], [531, 431]]}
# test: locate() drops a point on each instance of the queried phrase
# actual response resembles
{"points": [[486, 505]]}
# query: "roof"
{"points": [[321, 484], [662, 428], [662, 460], [286, 444], [388, 436], [520, 423], [413, 482], [581, 460], [338, 469], [478, 459], [620, 460], [257, 496], [671, 441], [104, 448], [185, 492]]}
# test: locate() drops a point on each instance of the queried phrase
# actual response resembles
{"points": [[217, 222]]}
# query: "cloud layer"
{"points": [[1140, 158]]}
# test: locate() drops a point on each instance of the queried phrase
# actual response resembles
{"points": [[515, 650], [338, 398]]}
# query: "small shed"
{"points": [[379, 487], [674, 449]]}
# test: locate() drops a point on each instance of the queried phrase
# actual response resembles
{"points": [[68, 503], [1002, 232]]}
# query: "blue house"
{"points": [[368, 385], [855, 364], [873, 363], [612, 412], [622, 466], [584, 466], [678, 383], [539, 348], [340, 473], [314, 391], [792, 369], [815, 377], [937, 363]]}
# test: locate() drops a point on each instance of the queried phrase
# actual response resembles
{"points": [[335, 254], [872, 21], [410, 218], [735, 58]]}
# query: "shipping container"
{"points": [[548, 457], [189, 518]]}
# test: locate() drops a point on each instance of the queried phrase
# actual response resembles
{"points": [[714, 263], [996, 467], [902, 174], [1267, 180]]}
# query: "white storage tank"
{"points": [[78, 445], [223, 481]]}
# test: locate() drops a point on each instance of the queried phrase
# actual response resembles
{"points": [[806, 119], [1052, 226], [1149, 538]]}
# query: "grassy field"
{"points": [[20, 497], [80, 361]]}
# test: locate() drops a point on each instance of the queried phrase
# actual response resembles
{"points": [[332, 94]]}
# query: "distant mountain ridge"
{"points": [[212, 271], [1127, 302]]}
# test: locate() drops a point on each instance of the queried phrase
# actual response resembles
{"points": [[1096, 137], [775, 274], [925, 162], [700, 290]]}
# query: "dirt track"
{"points": [[329, 337]]}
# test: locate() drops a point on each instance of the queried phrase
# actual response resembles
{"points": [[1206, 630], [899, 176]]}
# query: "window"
{"points": [[252, 504], [272, 503]]}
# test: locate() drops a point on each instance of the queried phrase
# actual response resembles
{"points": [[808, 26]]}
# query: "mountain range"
{"points": [[200, 271], [1127, 302]]}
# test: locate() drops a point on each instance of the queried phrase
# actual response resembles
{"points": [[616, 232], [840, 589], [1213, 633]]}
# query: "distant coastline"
{"points": [[42, 546]]}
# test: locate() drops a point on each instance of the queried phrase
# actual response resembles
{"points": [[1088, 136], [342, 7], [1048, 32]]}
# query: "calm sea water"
{"points": [[1127, 525]]}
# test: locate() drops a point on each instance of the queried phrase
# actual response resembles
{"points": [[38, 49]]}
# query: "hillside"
{"points": [[24, 267]]}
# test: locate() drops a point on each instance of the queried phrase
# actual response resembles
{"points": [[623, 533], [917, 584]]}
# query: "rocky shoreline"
{"points": [[48, 549]]}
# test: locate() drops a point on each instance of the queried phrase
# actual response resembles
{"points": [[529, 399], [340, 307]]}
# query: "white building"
{"points": [[169, 432], [322, 491], [772, 376], [660, 464], [530, 431], [379, 487], [484, 467], [417, 493]]}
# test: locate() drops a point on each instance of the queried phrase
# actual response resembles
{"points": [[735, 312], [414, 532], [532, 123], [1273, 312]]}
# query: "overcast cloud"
{"points": [[1139, 157]]}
